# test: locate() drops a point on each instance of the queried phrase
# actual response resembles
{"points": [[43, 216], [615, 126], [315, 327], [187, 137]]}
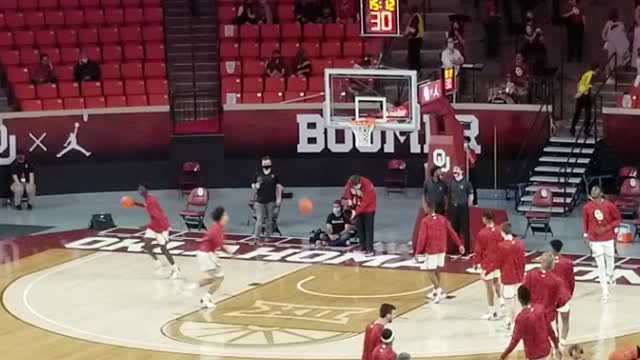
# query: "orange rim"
{"points": [[364, 121]]}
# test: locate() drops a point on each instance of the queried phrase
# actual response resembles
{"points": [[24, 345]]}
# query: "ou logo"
{"points": [[441, 160]]}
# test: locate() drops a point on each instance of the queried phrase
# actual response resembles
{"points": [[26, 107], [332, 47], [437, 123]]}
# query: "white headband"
{"points": [[389, 340]]}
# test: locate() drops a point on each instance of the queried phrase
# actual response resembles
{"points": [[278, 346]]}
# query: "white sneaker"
{"points": [[436, 299], [206, 303], [431, 295], [175, 274], [490, 316]]}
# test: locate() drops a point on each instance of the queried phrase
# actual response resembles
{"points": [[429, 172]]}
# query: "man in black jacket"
{"points": [[86, 69]]}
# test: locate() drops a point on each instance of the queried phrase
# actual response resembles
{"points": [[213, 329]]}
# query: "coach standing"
{"points": [[460, 199], [435, 190], [268, 190], [360, 195]]}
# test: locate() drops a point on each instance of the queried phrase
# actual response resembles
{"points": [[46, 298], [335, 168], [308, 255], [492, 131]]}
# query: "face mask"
{"points": [[457, 176], [336, 211]]}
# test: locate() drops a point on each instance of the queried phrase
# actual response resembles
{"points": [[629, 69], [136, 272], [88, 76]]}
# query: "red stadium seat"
{"points": [[73, 103], [153, 33], [52, 104], [155, 70], [45, 38], [134, 87], [109, 35], [318, 66], [68, 89], [285, 14], [291, 31], [89, 4], [14, 20], [6, 39], [17, 74], [332, 49], [110, 3], [133, 52], [114, 17], [91, 88], [313, 31], [95, 102], [227, 14], [67, 37], [69, 4], [154, 51], [3, 22], [116, 101], [249, 32], [250, 49], [372, 47], [65, 72], [316, 83], [24, 91], [133, 16], [289, 49], [131, 70], [29, 56], [10, 57], [229, 32], [110, 71], [312, 49], [353, 48], [230, 68], [54, 18], [252, 68], [88, 37], [48, 4], [231, 84], [34, 20], [276, 84], [157, 86], [272, 97], [252, 98], [70, 55], [158, 99], [153, 15], [31, 105], [47, 91], [8, 5], [270, 32], [267, 48], [352, 31], [131, 3], [93, 17], [151, 3], [137, 100], [229, 49], [334, 31], [112, 87], [297, 83], [112, 53], [342, 63], [253, 84], [27, 4], [293, 95], [24, 38], [130, 34], [74, 18], [53, 53], [93, 52]]}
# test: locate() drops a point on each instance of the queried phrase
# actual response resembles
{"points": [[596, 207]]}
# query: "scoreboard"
{"points": [[380, 18]]}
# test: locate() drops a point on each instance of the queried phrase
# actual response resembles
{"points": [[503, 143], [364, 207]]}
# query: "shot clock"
{"points": [[380, 18]]}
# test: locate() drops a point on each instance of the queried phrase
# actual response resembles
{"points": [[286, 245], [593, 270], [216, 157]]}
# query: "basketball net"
{"points": [[363, 130]]}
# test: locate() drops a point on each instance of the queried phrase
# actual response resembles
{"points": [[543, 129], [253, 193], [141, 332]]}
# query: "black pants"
{"points": [[492, 37], [342, 239], [364, 227], [413, 54], [459, 218], [439, 208], [575, 39], [582, 103]]}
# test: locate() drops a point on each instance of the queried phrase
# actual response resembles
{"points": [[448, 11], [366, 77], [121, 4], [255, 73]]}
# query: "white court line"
{"points": [[580, 259], [622, 261], [310, 292]]}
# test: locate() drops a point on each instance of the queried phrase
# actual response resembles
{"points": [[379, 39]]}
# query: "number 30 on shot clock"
{"points": [[380, 18]]}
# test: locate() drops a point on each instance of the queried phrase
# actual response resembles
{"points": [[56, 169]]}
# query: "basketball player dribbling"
{"points": [[485, 256], [600, 217], [563, 268], [512, 261], [157, 230], [373, 331], [212, 241], [435, 230]]}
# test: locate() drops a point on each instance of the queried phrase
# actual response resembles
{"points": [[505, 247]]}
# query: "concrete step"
{"points": [[530, 208], [568, 150], [556, 199], [563, 160], [555, 179], [560, 170], [553, 188], [572, 140]]}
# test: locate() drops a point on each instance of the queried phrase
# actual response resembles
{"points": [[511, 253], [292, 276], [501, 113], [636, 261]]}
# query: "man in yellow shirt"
{"points": [[583, 100]]}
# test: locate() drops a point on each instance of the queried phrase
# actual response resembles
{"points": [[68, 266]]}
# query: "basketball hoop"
{"points": [[363, 129]]}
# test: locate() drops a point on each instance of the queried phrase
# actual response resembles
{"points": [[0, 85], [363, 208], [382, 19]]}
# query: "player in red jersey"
{"points": [[374, 330], [486, 257], [435, 230], [211, 242], [360, 195], [563, 268], [546, 288], [512, 261], [534, 328], [384, 351], [157, 230], [600, 217]]}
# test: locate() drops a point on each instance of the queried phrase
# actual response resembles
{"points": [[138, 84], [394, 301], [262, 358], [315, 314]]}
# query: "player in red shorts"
{"points": [[563, 268], [209, 263], [512, 261], [374, 330], [486, 257], [546, 288], [534, 328], [157, 230], [435, 231], [384, 351]]}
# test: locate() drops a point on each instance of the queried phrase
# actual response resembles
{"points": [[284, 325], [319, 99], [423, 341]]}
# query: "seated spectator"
{"points": [[307, 11], [43, 72], [86, 69], [301, 65], [339, 229], [246, 13], [456, 32], [275, 65], [451, 57], [262, 12], [519, 75], [346, 11], [24, 181]]}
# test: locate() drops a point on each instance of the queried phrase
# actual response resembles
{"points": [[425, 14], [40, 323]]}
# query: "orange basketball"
{"points": [[305, 205], [127, 202]]}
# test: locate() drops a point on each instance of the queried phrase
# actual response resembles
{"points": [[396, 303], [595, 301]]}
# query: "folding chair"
{"points": [[196, 209], [190, 177], [540, 221], [629, 197], [252, 216], [396, 176]]}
